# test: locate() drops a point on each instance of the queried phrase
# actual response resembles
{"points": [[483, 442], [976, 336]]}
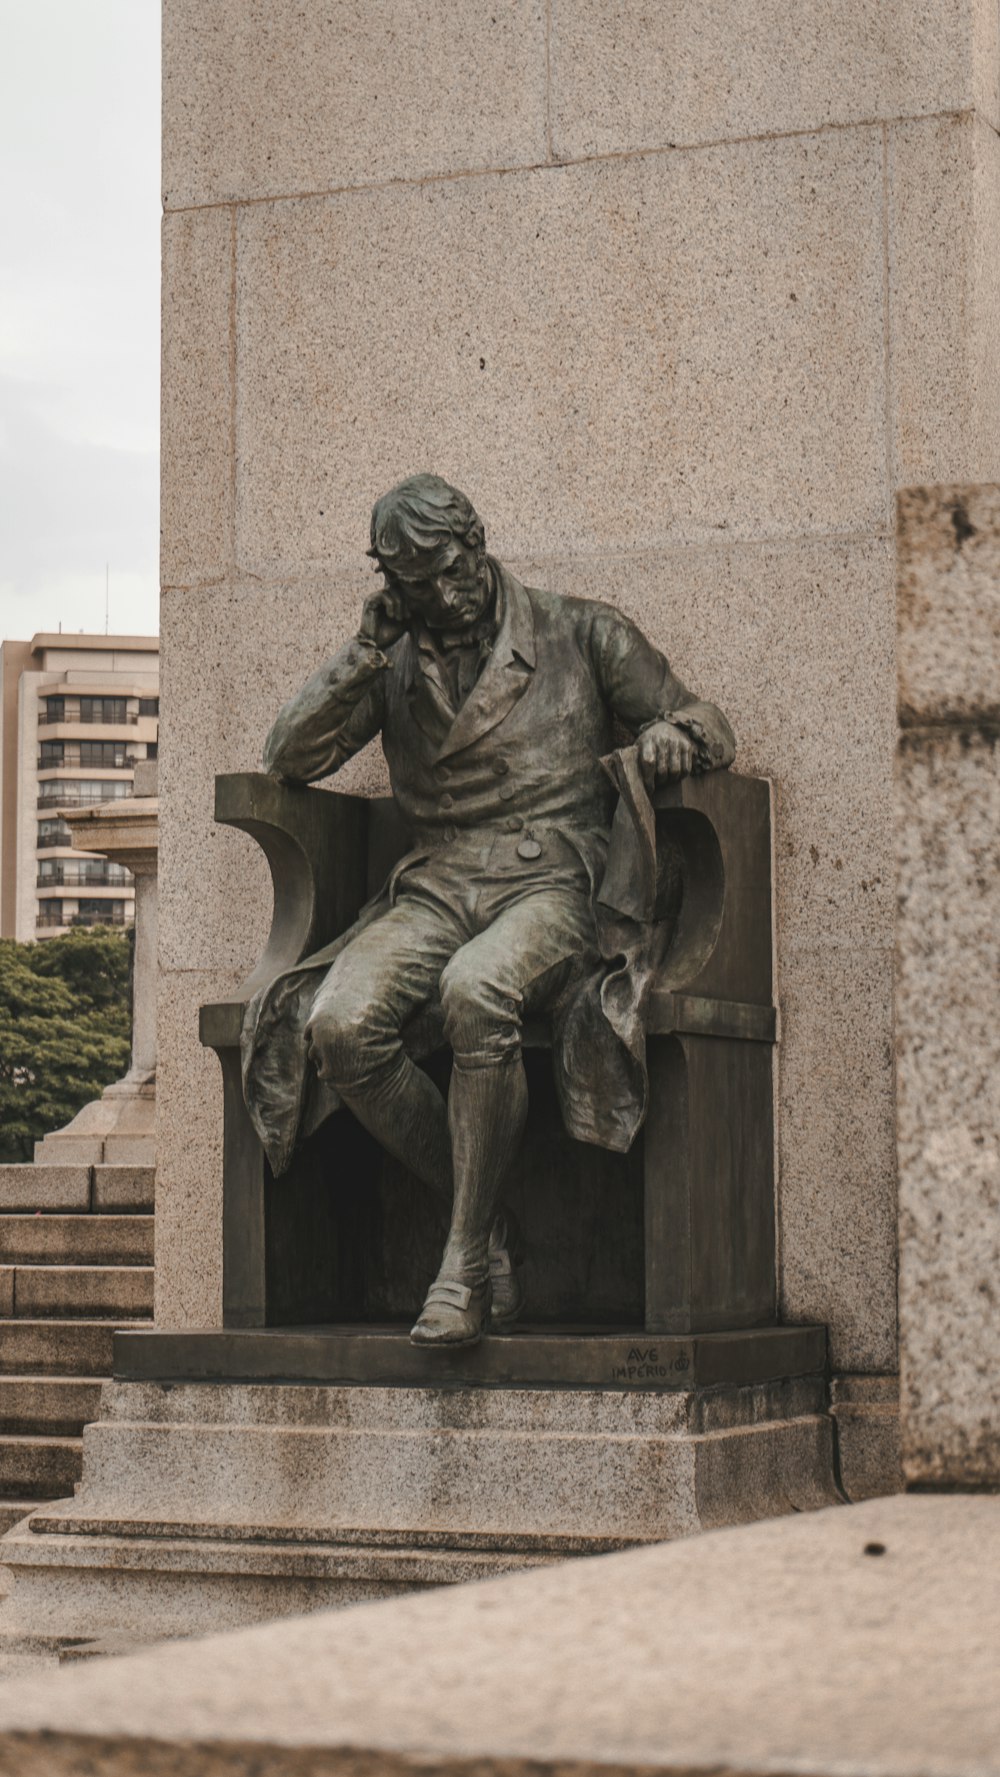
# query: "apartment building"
{"points": [[77, 713]]}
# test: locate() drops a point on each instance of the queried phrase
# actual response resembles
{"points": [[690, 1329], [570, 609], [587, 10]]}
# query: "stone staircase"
{"points": [[76, 1262]]}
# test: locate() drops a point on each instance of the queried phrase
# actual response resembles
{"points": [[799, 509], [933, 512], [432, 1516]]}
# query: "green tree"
{"points": [[65, 1021]]}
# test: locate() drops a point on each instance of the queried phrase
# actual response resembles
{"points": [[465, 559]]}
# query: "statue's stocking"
{"points": [[403, 1109], [487, 1109]]}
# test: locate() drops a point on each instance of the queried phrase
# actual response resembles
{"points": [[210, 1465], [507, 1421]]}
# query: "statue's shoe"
{"points": [[454, 1313], [506, 1253]]}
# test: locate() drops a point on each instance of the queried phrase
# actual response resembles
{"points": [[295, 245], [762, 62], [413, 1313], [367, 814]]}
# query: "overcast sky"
{"points": [[79, 313]]}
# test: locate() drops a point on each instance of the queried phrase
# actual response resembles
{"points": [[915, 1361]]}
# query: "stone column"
{"points": [[948, 961], [120, 1126]]}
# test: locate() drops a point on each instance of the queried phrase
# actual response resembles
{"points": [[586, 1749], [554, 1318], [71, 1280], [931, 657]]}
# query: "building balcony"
{"points": [[76, 756], [80, 795], [103, 918], [73, 875], [70, 718], [56, 919]]}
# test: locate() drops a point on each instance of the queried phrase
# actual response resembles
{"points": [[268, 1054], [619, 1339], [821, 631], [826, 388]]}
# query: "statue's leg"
{"points": [[386, 974], [523, 957]]}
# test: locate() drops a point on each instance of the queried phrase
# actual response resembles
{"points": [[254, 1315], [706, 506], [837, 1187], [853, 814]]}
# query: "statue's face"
{"points": [[447, 587]]}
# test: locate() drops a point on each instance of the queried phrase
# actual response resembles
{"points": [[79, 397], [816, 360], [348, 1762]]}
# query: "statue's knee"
{"points": [[342, 1035], [481, 1020]]}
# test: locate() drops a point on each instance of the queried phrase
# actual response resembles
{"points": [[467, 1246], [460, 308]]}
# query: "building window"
{"points": [[91, 912], [58, 792], [51, 914], [54, 711], [50, 752], [87, 873], [53, 833], [109, 753], [149, 706], [151, 749], [103, 709]]}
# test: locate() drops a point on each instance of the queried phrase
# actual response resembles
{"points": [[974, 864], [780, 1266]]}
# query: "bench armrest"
{"points": [[316, 844]]}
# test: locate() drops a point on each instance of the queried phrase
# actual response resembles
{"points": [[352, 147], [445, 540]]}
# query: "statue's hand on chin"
{"points": [[383, 619]]}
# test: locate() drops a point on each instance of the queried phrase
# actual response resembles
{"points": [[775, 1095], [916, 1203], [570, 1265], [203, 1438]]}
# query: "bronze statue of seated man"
{"points": [[495, 703]]}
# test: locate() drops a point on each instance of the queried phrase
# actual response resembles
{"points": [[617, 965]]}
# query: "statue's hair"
{"points": [[422, 513]]}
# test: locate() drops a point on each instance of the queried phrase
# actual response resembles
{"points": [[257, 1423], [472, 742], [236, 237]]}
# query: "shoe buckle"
{"points": [[451, 1295]]}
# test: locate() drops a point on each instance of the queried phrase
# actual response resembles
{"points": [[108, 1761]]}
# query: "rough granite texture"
{"points": [[280, 98], [26, 1187], [188, 1274], [944, 283], [948, 1036], [854, 1640], [865, 1411], [118, 1188], [196, 420], [685, 380], [949, 1105], [948, 595], [578, 424], [588, 1463], [270, 97], [222, 1501], [627, 75]]}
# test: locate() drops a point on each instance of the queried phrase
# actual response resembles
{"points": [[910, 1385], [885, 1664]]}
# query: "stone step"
{"points": [[84, 1292], [123, 1189], [54, 1188], [56, 1406], [76, 1240], [517, 1463], [58, 1348], [47, 1467], [69, 1588], [70, 1189]]}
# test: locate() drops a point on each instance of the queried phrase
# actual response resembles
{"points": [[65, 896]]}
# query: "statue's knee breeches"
{"points": [[351, 1035], [482, 1017]]}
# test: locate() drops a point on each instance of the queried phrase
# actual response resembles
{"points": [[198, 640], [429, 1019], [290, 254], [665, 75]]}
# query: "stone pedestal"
{"points": [[208, 1505], [119, 1128]]}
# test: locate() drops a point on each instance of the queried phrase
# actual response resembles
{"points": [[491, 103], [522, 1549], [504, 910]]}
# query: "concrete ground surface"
{"points": [[858, 1639]]}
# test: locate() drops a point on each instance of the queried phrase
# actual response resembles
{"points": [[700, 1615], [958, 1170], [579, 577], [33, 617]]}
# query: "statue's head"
{"points": [[428, 541]]}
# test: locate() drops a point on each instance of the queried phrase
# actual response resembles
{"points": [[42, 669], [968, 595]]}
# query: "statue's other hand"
{"points": [[383, 619], [666, 753]]}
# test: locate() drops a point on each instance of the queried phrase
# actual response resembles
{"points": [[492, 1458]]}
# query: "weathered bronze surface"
{"points": [[532, 1357], [527, 891]]}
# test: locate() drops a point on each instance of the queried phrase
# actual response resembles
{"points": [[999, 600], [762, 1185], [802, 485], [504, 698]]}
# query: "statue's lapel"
{"points": [[506, 675], [427, 694]]}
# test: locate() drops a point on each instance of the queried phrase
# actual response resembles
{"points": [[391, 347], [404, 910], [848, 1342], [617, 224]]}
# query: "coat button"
{"points": [[506, 792], [501, 767], [447, 801], [514, 823], [529, 848]]}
